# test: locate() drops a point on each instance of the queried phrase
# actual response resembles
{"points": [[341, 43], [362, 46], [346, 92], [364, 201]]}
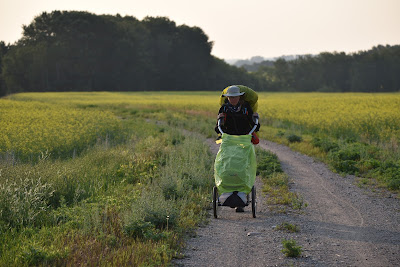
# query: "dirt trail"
{"points": [[343, 225]]}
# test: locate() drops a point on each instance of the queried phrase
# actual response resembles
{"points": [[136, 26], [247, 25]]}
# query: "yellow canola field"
{"points": [[163, 100], [40, 121], [29, 128], [369, 116]]}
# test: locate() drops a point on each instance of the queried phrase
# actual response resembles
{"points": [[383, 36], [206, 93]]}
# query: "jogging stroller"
{"points": [[234, 172]]}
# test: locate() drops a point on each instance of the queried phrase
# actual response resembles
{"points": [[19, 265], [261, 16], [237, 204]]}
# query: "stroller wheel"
{"points": [[253, 201], [215, 201]]}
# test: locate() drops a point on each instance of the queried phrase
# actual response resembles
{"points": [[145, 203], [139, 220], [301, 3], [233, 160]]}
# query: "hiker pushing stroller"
{"points": [[235, 164]]}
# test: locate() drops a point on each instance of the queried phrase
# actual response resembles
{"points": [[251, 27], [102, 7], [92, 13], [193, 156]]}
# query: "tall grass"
{"points": [[111, 208], [126, 201]]}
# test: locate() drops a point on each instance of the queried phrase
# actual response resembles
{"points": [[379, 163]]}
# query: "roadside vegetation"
{"points": [[276, 184], [127, 196]]}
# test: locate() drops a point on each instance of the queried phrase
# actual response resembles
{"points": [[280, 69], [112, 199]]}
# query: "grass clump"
{"points": [[24, 203], [290, 248], [293, 138], [285, 226], [267, 163]]}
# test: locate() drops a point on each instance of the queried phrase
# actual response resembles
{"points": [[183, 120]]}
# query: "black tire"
{"points": [[215, 201], [253, 201]]}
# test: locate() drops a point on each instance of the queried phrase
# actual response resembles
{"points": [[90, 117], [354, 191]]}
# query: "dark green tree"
{"points": [[3, 51], [306, 74], [283, 74], [80, 51]]}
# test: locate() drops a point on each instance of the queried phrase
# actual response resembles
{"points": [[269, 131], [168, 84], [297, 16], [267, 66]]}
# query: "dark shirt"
{"points": [[238, 120]]}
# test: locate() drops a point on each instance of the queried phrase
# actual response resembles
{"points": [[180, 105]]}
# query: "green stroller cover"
{"points": [[235, 165]]}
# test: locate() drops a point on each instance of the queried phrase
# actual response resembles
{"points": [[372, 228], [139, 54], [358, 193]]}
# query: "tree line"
{"points": [[375, 70], [81, 51]]}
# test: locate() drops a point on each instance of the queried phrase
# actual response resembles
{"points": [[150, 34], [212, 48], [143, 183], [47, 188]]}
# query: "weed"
{"points": [[297, 202], [285, 226], [280, 133], [290, 248], [292, 138]]}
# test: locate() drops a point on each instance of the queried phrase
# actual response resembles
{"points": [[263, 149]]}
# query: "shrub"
{"points": [[140, 229], [325, 144], [345, 166], [294, 138], [354, 158], [365, 165], [347, 152], [153, 208], [390, 171], [394, 183]]}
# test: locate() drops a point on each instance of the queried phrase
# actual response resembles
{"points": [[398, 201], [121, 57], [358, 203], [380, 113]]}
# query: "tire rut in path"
{"points": [[343, 225]]}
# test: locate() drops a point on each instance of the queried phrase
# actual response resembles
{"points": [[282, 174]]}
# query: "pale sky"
{"points": [[241, 29]]}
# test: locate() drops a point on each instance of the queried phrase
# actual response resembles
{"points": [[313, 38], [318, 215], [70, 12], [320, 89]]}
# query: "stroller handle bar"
{"points": [[250, 133]]}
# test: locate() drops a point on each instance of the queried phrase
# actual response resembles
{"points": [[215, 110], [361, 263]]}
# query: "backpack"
{"points": [[250, 96]]}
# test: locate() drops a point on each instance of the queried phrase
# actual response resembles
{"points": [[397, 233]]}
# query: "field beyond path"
{"points": [[343, 224]]}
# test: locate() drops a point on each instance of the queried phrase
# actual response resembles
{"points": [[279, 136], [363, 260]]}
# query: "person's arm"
{"points": [[256, 117], [221, 115], [251, 116]]}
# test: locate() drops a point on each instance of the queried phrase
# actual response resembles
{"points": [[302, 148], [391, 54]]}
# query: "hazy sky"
{"points": [[243, 28]]}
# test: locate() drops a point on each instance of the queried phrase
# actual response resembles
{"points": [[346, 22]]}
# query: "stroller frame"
{"points": [[250, 199]]}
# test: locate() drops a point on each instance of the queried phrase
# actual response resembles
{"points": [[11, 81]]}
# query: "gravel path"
{"points": [[343, 225]]}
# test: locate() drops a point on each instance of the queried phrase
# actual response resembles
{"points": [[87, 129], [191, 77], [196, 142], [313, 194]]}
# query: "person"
{"points": [[237, 116]]}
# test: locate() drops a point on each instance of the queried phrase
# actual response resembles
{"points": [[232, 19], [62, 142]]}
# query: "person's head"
{"points": [[233, 94]]}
